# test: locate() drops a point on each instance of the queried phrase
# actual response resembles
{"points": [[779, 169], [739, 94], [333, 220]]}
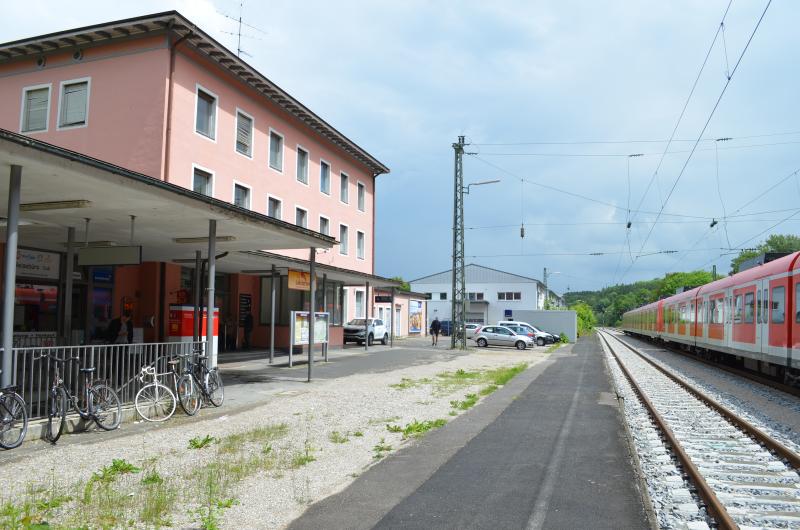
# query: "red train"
{"points": [[753, 315]]}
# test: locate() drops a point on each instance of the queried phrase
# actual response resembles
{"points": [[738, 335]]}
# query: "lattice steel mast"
{"points": [[458, 338]]}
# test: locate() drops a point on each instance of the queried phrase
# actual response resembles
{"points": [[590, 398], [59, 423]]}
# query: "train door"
{"points": [[762, 322], [775, 349]]}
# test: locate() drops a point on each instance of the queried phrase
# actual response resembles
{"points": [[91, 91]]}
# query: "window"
{"points": [[274, 207], [361, 196], [716, 310], [474, 296], [749, 308], [360, 245], [35, 109], [343, 240], [324, 226], [765, 303], [301, 217], [737, 312], [244, 134], [241, 196], [343, 188], [302, 165], [324, 177], [74, 104], [758, 306], [275, 151], [201, 182], [797, 302], [359, 304], [206, 118], [778, 305], [442, 296], [509, 296]]}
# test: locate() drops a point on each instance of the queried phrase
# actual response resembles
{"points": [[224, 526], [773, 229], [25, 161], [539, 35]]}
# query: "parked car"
{"points": [[539, 336], [502, 336], [447, 327], [471, 329], [354, 331]]}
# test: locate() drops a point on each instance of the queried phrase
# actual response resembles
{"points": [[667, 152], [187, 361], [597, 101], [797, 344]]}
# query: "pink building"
{"points": [[158, 96]]}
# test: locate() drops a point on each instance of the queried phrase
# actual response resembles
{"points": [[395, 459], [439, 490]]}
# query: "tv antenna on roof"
{"points": [[239, 50]]}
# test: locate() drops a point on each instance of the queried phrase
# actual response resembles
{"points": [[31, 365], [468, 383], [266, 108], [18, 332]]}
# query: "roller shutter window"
{"points": [[778, 305], [244, 134], [35, 111], [748, 308], [74, 102]]}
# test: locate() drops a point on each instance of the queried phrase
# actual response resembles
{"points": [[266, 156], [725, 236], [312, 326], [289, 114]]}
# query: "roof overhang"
{"points": [[170, 221], [174, 23]]}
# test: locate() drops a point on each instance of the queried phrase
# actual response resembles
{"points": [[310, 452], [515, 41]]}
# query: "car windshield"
{"points": [[357, 322]]}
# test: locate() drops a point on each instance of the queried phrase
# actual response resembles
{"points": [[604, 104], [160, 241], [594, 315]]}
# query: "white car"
{"points": [[354, 331], [471, 329], [541, 337]]}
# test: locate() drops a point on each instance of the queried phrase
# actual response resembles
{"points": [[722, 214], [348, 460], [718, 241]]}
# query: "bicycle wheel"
{"points": [[188, 394], [214, 389], [155, 402], [13, 420], [106, 409], [56, 414]]}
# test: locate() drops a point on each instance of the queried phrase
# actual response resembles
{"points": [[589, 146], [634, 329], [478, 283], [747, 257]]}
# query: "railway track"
{"points": [[744, 478]]}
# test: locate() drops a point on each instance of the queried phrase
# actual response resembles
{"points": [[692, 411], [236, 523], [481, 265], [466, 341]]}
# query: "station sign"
{"points": [[37, 264]]}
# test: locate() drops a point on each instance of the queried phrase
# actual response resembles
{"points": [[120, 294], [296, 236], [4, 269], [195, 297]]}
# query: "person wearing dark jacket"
{"points": [[248, 329], [120, 330], [436, 328]]}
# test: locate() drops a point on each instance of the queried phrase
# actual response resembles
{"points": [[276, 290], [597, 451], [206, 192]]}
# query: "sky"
{"points": [[531, 86]]}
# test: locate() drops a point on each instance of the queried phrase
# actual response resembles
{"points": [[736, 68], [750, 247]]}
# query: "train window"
{"points": [[748, 308], [765, 304], [758, 306], [737, 313], [778, 305], [797, 302], [716, 312]]}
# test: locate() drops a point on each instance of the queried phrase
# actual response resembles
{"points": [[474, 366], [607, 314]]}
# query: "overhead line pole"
{"points": [[458, 338]]}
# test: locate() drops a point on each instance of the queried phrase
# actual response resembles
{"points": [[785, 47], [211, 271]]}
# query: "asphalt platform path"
{"points": [[546, 451]]}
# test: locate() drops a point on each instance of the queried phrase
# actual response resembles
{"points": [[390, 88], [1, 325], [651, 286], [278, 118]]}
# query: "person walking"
{"points": [[248, 329], [436, 328], [120, 330]]}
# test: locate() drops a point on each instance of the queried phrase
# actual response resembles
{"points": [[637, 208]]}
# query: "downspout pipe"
{"points": [[167, 140]]}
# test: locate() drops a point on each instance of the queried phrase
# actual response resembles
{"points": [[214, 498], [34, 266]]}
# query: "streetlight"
{"points": [[546, 289], [481, 183]]}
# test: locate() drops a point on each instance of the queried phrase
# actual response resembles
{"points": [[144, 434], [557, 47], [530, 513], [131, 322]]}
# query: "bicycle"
{"points": [[156, 402], [101, 403], [208, 381], [13, 418]]}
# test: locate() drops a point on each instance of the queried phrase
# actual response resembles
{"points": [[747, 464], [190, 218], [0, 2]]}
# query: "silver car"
{"points": [[501, 336]]}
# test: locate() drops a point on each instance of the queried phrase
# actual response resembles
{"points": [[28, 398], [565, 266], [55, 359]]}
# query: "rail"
{"points": [[117, 364]]}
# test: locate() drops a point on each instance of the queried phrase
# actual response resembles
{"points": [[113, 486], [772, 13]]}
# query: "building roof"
{"points": [[477, 274], [175, 23]]}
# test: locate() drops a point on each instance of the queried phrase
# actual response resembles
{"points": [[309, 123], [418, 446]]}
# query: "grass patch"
{"points": [[416, 429], [157, 501], [380, 449], [406, 383], [466, 404], [259, 435], [485, 391], [553, 347], [501, 376], [200, 443], [378, 421], [358, 434], [304, 457], [338, 438]]}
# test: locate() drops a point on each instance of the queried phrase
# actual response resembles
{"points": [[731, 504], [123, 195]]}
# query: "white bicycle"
{"points": [[154, 401]]}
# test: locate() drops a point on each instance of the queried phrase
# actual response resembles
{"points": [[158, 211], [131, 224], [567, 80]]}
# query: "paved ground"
{"points": [[546, 451]]}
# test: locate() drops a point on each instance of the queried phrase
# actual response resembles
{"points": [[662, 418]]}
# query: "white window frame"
{"points": [[197, 88], [346, 246], [363, 250], [88, 81], [361, 186], [206, 170], [283, 151], [330, 174], [249, 194], [321, 217], [252, 133], [303, 208], [25, 90], [343, 174], [280, 201], [299, 148]]}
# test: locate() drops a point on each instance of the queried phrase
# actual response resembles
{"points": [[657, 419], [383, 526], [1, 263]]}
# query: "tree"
{"points": [[774, 243], [404, 285], [586, 318], [672, 282]]}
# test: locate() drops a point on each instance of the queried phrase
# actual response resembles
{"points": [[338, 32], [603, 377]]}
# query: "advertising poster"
{"points": [[415, 316], [300, 327], [37, 264], [321, 327], [299, 280]]}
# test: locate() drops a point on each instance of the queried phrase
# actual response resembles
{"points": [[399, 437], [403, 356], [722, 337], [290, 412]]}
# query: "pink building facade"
{"points": [[160, 97]]}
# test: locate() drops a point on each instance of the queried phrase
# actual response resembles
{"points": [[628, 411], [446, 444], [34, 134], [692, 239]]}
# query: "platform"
{"points": [[546, 451]]}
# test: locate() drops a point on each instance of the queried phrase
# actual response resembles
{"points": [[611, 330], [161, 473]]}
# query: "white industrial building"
{"points": [[493, 295]]}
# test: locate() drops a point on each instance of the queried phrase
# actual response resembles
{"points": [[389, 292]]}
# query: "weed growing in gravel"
{"points": [[501, 376], [338, 438], [34, 512], [381, 448], [263, 434], [200, 443], [301, 458], [405, 383], [157, 500], [554, 347], [416, 429], [378, 421], [151, 478], [485, 391], [467, 404], [358, 434]]}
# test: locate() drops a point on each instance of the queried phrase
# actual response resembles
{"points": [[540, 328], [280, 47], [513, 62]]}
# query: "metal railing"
{"points": [[118, 365]]}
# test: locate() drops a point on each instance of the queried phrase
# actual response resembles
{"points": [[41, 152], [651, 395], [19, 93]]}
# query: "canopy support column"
{"points": [[212, 270], [273, 291], [10, 274], [366, 317], [68, 281], [312, 307]]}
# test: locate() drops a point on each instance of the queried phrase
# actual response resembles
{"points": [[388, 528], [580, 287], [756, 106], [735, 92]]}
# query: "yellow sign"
{"points": [[299, 280]]}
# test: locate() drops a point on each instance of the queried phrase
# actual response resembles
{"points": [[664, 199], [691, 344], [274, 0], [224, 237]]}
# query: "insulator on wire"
{"points": [[522, 231]]}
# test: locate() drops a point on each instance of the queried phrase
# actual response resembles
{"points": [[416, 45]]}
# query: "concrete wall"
{"points": [[555, 322]]}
